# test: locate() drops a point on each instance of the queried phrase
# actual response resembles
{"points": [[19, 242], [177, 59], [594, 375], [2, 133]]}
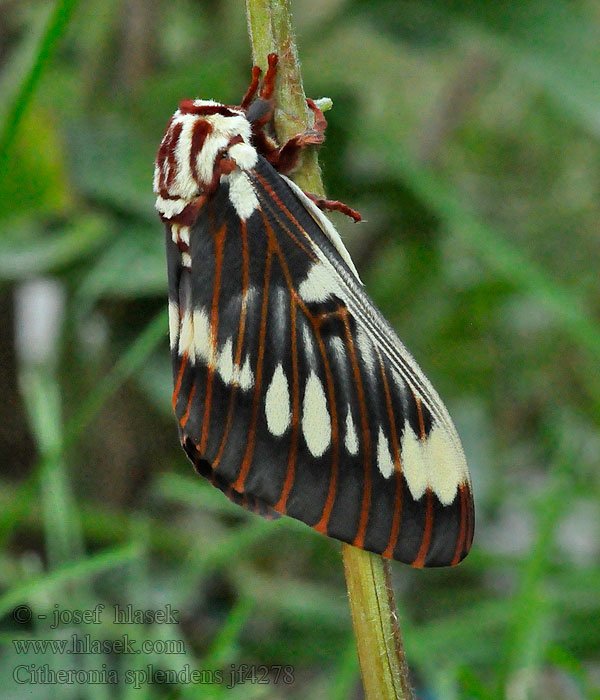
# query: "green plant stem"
{"points": [[374, 616], [270, 30], [375, 620]]}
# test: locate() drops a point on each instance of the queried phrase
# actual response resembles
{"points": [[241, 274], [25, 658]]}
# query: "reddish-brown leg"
{"points": [[268, 87], [286, 158], [260, 112], [320, 123], [333, 205], [251, 92]]}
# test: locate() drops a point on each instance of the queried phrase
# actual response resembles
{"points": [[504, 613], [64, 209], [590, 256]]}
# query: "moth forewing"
{"points": [[293, 394]]}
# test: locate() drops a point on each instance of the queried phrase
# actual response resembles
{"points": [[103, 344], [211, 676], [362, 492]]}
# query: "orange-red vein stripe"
{"points": [[460, 542], [186, 415], [239, 482], [281, 504], [396, 518], [290, 216], [426, 541], [240, 340], [321, 526], [214, 326], [290, 473], [420, 416], [366, 502], [177, 389]]}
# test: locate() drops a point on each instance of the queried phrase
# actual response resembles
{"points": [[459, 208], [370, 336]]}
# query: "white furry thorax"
{"points": [[199, 132]]}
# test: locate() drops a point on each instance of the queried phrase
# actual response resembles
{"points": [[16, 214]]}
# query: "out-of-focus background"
{"points": [[468, 135]]}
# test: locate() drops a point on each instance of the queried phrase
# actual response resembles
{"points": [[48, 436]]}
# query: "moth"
{"points": [[293, 394]]}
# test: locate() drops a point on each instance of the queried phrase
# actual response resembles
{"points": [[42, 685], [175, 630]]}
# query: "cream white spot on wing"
{"points": [[186, 336], [184, 234], [173, 323], [316, 422], [384, 458], [277, 403], [319, 284], [186, 260], [279, 313], [447, 464], [366, 349], [350, 439], [225, 363], [250, 296], [246, 377], [203, 345], [241, 194], [413, 464], [338, 348], [437, 462], [308, 345]]}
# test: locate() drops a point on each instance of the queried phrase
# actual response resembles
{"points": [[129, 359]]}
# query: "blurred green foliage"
{"points": [[468, 135]]}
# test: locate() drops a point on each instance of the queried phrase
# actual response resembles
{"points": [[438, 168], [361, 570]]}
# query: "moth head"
{"points": [[204, 141]]}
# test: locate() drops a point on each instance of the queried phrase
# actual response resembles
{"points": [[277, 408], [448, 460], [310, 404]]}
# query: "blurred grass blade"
{"points": [[41, 53], [130, 361], [39, 315], [224, 648], [22, 258], [62, 525], [83, 568], [496, 252], [124, 368], [347, 674], [530, 632], [555, 45]]}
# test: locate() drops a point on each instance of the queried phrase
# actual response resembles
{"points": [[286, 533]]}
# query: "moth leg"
{"points": [[333, 205], [253, 87], [260, 112], [320, 123], [268, 86], [286, 158]]}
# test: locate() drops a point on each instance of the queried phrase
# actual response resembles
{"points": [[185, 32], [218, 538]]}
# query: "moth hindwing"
{"points": [[292, 393]]}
